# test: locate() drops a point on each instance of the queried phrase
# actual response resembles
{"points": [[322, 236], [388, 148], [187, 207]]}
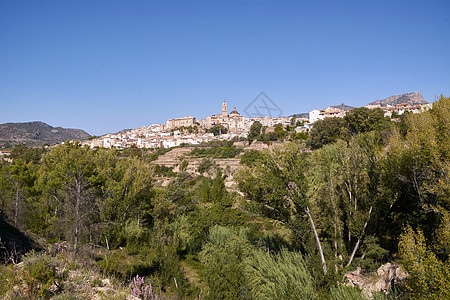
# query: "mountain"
{"points": [[343, 106], [410, 98], [301, 115], [36, 134]]}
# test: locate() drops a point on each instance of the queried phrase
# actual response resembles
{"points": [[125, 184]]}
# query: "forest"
{"points": [[358, 193]]}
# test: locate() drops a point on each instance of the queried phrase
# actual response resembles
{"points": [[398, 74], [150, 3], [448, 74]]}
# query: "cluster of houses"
{"points": [[340, 110], [190, 130], [186, 130]]}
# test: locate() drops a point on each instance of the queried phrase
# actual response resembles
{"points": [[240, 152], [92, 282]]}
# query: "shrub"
{"points": [[39, 273], [141, 290], [224, 255], [281, 276], [250, 157], [204, 165]]}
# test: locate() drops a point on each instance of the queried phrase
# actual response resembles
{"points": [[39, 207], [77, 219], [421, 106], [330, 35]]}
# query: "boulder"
{"points": [[387, 275]]}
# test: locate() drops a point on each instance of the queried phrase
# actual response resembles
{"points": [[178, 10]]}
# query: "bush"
{"points": [[281, 276], [7, 280], [39, 273], [141, 290], [204, 166], [224, 256], [250, 157], [135, 237]]}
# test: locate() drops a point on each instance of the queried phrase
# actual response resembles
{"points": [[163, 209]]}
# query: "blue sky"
{"points": [[103, 66]]}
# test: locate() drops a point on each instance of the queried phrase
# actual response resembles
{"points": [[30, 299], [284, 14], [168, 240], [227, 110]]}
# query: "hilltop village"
{"points": [[189, 130], [230, 126]]}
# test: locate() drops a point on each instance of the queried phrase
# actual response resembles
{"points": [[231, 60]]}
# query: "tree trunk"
{"points": [[16, 210], [360, 237], [319, 245], [77, 216]]}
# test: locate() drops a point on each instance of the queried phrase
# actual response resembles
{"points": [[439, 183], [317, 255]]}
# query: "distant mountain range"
{"points": [[415, 98], [300, 115], [37, 134]]}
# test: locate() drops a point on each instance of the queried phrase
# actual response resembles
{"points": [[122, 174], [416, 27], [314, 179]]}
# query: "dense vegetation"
{"points": [[217, 149], [375, 192]]}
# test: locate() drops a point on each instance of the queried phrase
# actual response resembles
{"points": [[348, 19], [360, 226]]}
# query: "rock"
{"points": [[415, 98], [105, 282], [387, 275]]}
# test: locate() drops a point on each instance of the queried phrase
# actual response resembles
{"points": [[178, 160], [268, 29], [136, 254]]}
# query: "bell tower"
{"points": [[224, 109]]}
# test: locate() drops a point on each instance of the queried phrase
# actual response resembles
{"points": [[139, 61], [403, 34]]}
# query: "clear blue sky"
{"points": [[103, 66]]}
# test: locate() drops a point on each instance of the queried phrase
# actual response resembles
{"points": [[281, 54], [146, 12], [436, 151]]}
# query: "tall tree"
{"points": [[255, 131], [363, 119], [324, 132], [68, 176], [6, 188], [22, 176], [279, 184]]}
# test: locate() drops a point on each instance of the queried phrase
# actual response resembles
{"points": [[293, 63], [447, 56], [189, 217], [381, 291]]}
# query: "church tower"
{"points": [[224, 109]]}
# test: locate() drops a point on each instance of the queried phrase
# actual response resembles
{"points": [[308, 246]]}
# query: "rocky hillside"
{"points": [[415, 98], [35, 134], [343, 106]]}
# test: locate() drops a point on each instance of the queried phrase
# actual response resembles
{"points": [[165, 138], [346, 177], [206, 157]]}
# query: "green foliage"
{"points": [[121, 265], [7, 280], [224, 255], [134, 237], [39, 273], [324, 132], [375, 254], [342, 292], [184, 165], [363, 119], [342, 204], [429, 277], [215, 151], [217, 130], [204, 166], [250, 157], [277, 182], [162, 170], [279, 131], [27, 154], [416, 166], [203, 218], [255, 131], [132, 151], [279, 276]]}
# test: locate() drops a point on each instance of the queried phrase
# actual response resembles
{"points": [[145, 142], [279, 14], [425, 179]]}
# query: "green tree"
{"points": [[293, 120], [278, 184], [250, 157], [280, 131], [324, 132], [27, 154], [67, 178], [218, 129], [224, 255], [6, 188], [204, 166], [127, 185], [429, 277], [417, 165], [22, 176], [363, 119], [255, 131]]}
